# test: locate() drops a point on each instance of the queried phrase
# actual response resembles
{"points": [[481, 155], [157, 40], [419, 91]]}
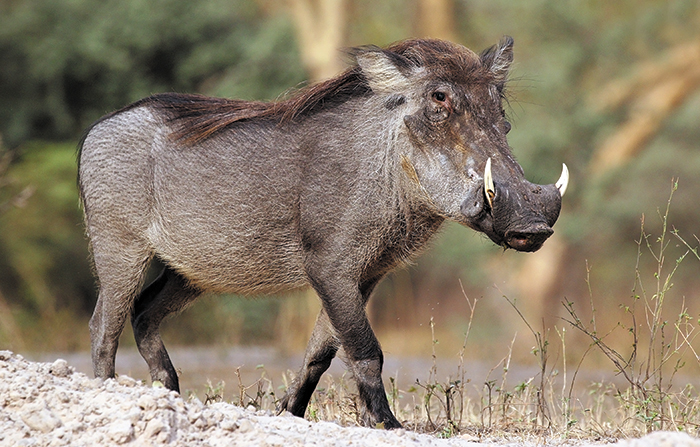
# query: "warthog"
{"points": [[334, 187]]}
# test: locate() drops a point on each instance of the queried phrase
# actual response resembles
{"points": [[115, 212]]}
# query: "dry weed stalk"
{"points": [[657, 354]]}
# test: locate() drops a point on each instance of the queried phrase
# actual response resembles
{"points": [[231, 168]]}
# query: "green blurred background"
{"points": [[610, 88]]}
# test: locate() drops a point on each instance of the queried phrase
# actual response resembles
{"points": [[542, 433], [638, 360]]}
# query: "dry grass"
{"points": [[641, 396]]}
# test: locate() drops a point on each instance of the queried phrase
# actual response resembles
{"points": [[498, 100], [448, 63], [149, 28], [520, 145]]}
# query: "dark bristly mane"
{"points": [[198, 117]]}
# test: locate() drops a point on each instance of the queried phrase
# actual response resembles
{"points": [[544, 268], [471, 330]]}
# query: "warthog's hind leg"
{"points": [[320, 351], [167, 294], [120, 277]]}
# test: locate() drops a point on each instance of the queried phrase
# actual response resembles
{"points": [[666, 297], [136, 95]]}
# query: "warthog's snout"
{"points": [[515, 213]]}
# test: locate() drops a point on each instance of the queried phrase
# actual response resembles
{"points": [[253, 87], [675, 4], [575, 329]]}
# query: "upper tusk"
{"points": [[563, 181], [488, 183]]}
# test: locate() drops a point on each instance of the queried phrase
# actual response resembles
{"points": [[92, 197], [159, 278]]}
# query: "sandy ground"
{"points": [[49, 404]]}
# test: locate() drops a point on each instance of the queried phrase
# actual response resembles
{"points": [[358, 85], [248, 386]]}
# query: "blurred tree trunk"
{"points": [[7, 320], [321, 27], [657, 89], [652, 94], [436, 19]]}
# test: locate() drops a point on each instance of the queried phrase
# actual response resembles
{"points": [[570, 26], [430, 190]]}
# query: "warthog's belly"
{"points": [[222, 257]]}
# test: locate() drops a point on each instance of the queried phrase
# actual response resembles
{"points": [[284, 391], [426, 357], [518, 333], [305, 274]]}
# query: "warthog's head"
{"points": [[452, 135]]}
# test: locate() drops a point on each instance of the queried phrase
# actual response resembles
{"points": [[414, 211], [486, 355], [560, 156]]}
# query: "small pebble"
{"points": [[60, 368], [244, 426]]}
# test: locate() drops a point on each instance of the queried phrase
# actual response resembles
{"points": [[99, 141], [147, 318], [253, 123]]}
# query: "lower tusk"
{"points": [[488, 183], [563, 181]]}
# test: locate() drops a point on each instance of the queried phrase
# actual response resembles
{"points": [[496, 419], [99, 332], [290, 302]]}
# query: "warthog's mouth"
{"points": [[527, 240], [519, 215]]}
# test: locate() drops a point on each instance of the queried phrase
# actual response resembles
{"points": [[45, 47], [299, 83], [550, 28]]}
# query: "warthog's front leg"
{"points": [[345, 307], [365, 360]]}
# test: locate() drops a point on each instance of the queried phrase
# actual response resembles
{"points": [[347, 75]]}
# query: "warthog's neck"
{"points": [[356, 150]]}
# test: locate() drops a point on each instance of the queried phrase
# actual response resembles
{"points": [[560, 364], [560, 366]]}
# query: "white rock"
{"points": [[120, 431], [133, 415], [60, 368], [661, 439], [39, 417], [228, 424], [194, 414], [147, 402], [154, 427], [126, 381], [244, 426]]}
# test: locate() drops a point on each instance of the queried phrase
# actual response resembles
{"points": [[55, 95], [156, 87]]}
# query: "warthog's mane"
{"points": [[196, 117]]}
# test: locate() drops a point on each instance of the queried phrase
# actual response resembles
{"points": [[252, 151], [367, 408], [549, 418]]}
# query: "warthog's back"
{"points": [[223, 212]]}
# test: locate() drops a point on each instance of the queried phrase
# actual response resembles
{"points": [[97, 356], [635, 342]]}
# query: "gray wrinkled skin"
{"points": [[334, 194]]}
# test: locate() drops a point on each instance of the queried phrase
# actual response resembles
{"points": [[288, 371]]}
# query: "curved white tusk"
{"points": [[563, 181], [489, 189]]}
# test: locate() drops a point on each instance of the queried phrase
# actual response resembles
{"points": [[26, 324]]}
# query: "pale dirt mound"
{"points": [[49, 404]]}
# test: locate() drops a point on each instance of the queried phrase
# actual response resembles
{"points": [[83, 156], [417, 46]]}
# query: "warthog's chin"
{"points": [[526, 242], [527, 239]]}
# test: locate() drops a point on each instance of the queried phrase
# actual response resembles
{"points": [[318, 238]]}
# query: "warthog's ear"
{"points": [[385, 70], [498, 58]]}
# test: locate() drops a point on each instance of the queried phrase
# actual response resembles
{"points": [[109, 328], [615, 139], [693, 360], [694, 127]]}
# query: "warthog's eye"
{"points": [[507, 126], [439, 96], [440, 107]]}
